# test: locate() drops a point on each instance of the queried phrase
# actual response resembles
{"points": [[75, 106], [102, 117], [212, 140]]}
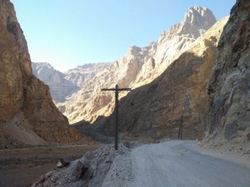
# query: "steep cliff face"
{"points": [[177, 97], [27, 114], [138, 67], [229, 84]]}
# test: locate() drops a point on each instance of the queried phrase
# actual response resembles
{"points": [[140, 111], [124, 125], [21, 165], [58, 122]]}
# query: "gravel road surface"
{"points": [[175, 164]]}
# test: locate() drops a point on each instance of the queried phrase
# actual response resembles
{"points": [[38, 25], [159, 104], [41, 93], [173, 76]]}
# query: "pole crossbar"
{"points": [[116, 89]]}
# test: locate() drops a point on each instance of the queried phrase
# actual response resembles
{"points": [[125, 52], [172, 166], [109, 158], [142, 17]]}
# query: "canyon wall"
{"points": [[229, 83], [27, 113], [177, 97]]}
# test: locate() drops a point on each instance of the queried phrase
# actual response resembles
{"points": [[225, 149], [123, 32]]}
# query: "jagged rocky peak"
{"points": [[60, 87], [39, 65], [46, 73], [176, 40], [197, 20], [134, 50], [197, 15], [42, 69]]}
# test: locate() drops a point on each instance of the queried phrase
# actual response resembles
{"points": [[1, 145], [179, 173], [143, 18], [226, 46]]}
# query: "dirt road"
{"points": [[170, 163], [176, 164]]}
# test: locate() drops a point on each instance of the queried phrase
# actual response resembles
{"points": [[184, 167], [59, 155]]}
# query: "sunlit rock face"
{"points": [[173, 42], [63, 84], [82, 74], [27, 113], [196, 21], [178, 96], [229, 83], [138, 67], [59, 86]]}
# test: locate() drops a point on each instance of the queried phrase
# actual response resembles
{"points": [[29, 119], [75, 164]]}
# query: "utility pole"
{"points": [[180, 129], [116, 89]]}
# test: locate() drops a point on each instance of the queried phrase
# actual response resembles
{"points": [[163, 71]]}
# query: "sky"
{"points": [[68, 33]]}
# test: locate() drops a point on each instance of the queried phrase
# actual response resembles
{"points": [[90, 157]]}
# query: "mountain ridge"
{"points": [[178, 96], [138, 67]]}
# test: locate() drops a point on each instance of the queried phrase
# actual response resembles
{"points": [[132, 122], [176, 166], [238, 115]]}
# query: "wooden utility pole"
{"points": [[116, 89], [180, 129]]}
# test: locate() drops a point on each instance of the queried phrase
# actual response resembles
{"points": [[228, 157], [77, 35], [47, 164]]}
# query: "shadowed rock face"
{"points": [[229, 83], [25, 102], [177, 97]]}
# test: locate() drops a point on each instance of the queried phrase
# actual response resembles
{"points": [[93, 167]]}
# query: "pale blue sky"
{"points": [[67, 33]]}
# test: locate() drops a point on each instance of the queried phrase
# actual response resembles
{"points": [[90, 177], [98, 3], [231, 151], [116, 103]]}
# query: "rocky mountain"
{"points": [[177, 97], [59, 87], [175, 41], [27, 113], [205, 91], [138, 67], [229, 84], [64, 84], [82, 74], [206, 86]]}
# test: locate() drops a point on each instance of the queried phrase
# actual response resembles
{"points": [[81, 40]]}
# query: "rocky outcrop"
{"points": [[138, 67], [26, 107], [229, 83], [177, 97]]}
